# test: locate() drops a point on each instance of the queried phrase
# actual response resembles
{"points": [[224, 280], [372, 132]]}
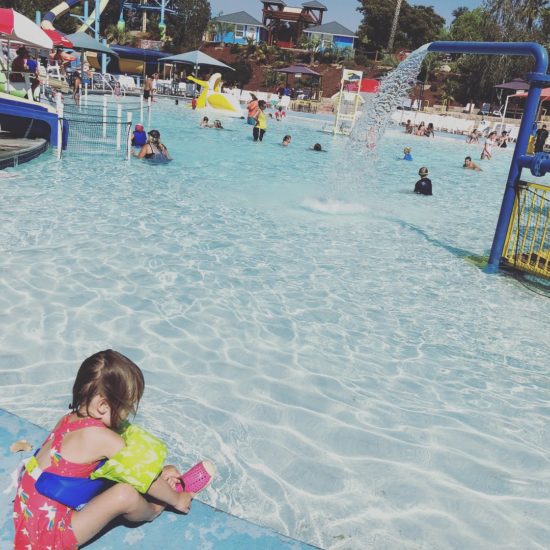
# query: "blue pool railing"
{"points": [[539, 163]]}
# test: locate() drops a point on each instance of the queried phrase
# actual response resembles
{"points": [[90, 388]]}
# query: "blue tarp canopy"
{"points": [[139, 53]]}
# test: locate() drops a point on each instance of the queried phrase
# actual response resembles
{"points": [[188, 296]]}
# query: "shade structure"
{"points": [[83, 41], [298, 69], [15, 27], [196, 58], [544, 94], [59, 39], [515, 84]]}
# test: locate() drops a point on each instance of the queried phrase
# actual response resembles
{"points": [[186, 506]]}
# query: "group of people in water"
{"points": [[420, 130], [147, 145], [492, 140]]}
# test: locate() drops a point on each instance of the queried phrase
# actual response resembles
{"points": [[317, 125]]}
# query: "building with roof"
{"points": [[241, 27], [284, 25], [332, 35]]}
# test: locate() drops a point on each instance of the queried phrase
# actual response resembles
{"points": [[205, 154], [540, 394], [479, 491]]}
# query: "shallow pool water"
{"points": [[302, 319]]}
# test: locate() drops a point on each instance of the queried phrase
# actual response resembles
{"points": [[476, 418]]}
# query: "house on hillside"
{"points": [[241, 26], [332, 35], [284, 25]]}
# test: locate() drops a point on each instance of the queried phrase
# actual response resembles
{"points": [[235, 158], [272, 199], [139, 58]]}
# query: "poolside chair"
{"points": [[469, 108], [513, 133], [485, 109]]}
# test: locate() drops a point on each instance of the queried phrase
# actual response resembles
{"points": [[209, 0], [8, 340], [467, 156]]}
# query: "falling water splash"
{"points": [[345, 194], [394, 88]]}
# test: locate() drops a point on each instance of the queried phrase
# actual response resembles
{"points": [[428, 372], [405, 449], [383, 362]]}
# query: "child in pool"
{"points": [[107, 389], [407, 153]]}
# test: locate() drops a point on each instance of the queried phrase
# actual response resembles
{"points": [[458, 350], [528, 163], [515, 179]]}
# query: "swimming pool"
{"points": [[303, 320]]}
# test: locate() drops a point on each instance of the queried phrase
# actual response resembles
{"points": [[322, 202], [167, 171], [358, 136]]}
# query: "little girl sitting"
{"points": [[107, 389]]}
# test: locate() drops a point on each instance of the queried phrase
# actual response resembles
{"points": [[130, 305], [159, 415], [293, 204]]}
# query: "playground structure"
{"points": [[522, 234], [91, 20], [212, 98]]}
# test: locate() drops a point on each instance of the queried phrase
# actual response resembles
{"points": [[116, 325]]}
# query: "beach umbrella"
{"points": [[517, 84], [196, 58], [15, 27], [84, 42], [59, 39]]}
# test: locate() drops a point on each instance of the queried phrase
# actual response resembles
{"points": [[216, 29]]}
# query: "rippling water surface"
{"points": [[303, 320]]}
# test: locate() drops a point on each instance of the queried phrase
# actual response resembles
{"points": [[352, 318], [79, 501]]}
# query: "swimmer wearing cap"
{"points": [[424, 185]]}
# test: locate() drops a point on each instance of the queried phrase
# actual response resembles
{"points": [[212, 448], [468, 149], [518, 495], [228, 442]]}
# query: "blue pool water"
{"points": [[302, 319]]}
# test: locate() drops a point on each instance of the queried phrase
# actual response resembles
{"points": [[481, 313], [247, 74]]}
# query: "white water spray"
{"points": [[394, 88]]}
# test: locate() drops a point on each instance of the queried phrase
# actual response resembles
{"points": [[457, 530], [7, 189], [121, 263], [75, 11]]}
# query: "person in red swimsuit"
{"points": [[107, 389]]}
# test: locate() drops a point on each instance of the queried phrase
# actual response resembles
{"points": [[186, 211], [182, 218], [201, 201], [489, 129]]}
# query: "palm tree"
{"points": [[394, 24], [312, 44], [220, 28], [449, 88]]}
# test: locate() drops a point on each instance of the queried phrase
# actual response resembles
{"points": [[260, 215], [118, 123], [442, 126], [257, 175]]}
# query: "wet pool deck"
{"points": [[204, 528]]}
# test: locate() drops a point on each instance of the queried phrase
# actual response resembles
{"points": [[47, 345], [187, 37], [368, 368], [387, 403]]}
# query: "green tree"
{"points": [[187, 26], [473, 26], [517, 16], [416, 25], [115, 35], [460, 11]]}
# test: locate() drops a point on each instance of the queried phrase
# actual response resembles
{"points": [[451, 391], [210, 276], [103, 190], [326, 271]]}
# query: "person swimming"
{"points": [[286, 140], [317, 147], [154, 150], [407, 153], [470, 164]]}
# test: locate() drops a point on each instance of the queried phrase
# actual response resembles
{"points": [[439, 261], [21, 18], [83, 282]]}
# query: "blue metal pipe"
{"points": [[496, 48], [537, 79]]}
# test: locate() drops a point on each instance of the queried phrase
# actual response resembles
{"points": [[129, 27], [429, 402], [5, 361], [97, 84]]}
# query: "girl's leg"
{"points": [[160, 490], [120, 499], [255, 133]]}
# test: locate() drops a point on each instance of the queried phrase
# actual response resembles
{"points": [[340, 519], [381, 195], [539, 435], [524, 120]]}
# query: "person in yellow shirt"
{"points": [[261, 122]]}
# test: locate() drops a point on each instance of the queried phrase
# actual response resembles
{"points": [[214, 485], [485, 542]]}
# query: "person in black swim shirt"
{"points": [[540, 139], [154, 149], [424, 184]]}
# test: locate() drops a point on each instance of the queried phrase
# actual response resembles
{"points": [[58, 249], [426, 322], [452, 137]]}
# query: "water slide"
{"points": [[63, 7]]}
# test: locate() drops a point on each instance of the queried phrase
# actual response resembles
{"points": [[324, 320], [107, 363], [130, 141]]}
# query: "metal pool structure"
{"points": [[522, 234]]}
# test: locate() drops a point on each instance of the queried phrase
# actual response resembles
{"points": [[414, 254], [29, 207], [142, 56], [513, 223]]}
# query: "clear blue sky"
{"points": [[343, 11]]}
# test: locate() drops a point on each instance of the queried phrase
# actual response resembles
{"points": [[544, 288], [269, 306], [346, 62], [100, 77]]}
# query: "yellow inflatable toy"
{"points": [[212, 98]]}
